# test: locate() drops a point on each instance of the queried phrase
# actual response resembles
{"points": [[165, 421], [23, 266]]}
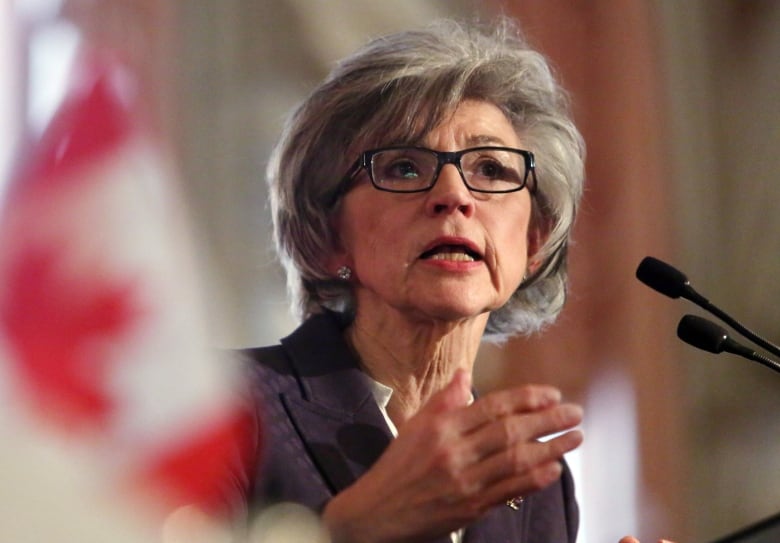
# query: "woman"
{"points": [[423, 198]]}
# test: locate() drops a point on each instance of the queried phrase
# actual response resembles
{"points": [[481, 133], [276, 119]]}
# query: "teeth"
{"points": [[459, 257]]}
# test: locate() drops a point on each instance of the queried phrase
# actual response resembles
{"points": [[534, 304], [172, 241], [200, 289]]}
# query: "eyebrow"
{"points": [[477, 140], [484, 139]]}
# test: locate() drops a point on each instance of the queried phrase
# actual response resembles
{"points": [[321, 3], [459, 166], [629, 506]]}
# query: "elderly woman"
{"points": [[423, 198]]}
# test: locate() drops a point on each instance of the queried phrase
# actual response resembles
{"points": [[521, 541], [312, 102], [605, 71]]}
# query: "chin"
{"points": [[451, 310]]}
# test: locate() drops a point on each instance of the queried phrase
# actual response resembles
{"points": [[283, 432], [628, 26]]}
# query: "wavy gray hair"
{"points": [[396, 89]]}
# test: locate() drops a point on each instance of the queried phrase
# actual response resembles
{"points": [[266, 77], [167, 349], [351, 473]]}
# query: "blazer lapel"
{"points": [[336, 414]]}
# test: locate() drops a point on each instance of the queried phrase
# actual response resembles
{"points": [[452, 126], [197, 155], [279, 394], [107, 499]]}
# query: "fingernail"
{"points": [[571, 414], [551, 396]]}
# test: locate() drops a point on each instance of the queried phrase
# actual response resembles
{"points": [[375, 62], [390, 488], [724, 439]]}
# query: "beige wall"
{"points": [[723, 69]]}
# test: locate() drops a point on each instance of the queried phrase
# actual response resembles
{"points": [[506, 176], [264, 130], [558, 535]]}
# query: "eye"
{"points": [[489, 168], [402, 168]]}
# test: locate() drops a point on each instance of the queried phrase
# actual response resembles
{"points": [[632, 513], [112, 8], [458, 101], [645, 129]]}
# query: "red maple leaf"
{"points": [[59, 329], [200, 468]]}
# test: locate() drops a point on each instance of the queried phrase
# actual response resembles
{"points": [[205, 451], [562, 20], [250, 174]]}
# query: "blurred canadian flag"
{"points": [[108, 384]]}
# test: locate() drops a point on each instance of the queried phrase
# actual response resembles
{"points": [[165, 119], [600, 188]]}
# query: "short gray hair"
{"points": [[396, 89]]}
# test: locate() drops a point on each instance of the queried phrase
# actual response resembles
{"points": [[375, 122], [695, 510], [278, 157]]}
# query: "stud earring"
{"points": [[344, 273]]}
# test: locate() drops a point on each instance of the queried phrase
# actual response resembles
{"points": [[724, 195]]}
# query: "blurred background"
{"points": [[679, 105]]}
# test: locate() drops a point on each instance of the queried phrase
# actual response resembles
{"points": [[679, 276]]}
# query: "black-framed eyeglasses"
{"points": [[416, 169]]}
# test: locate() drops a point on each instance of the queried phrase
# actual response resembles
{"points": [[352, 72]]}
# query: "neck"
{"points": [[415, 358]]}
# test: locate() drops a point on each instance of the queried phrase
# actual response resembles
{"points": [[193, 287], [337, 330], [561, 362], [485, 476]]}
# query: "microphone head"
{"points": [[662, 277], [702, 333]]}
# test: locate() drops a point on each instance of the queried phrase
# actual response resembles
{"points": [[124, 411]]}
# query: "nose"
{"points": [[449, 194]]}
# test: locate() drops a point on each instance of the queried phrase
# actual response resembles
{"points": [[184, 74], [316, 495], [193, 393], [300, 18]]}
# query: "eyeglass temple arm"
{"points": [[346, 181]]}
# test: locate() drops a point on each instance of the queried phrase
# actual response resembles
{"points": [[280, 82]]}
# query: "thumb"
{"points": [[455, 394]]}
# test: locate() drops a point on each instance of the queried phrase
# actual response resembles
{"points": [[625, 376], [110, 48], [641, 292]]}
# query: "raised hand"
{"points": [[452, 461]]}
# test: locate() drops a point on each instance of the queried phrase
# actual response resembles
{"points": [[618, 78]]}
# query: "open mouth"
{"points": [[456, 253]]}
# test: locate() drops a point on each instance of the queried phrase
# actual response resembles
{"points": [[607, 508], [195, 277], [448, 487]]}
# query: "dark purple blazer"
{"points": [[321, 430]]}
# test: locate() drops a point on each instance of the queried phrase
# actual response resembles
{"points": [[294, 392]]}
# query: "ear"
{"points": [[538, 233]]}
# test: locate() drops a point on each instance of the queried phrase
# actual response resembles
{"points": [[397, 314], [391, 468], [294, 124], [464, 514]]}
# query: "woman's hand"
{"points": [[452, 461]]}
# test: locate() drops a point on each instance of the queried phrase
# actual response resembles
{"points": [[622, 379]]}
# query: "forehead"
{"points": [[471, 124]]}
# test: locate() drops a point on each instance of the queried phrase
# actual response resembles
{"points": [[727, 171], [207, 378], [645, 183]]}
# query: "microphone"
{"points": [[708, 336], [671, 282]]}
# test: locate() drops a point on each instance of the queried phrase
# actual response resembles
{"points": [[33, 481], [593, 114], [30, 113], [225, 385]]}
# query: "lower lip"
{"points": [[454, 265]]}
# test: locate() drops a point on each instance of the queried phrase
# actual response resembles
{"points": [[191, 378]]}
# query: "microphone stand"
{"points": [[705, 304]]}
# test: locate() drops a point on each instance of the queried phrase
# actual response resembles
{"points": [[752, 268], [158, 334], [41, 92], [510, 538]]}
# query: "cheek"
{"points": [[368, 236], [537, 233], [525, 232], [513, 246]]}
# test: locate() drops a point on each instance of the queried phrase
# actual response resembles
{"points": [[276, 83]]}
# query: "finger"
{"points": [[628, 539], [511, 430], [524, 461], [499, 404]]}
